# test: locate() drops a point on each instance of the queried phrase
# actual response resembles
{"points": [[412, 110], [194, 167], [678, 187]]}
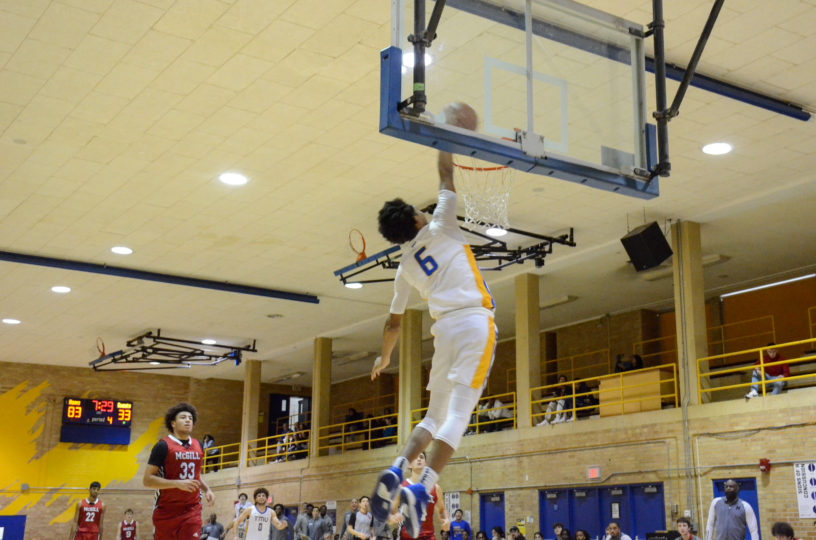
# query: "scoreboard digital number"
{"points": [[95, 412], [90, 420]]}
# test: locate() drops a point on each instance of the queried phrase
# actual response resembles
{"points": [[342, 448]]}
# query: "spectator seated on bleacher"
{"points": [[772, 373], [628, 363], [210, 453], [500, 412], [562, 399], [583, 401]]}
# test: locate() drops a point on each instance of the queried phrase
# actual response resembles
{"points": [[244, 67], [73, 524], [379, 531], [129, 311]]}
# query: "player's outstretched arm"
{"points": [[278, 523], [208, 494], [444, 517], [391, 332], [445, 166]]}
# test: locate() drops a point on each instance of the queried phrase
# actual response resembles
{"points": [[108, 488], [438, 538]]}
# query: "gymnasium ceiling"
{"points": [[117, 116]]}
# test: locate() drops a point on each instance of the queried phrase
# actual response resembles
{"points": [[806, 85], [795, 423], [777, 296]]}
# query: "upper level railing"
{"points": [[618, 393], [283, 447], [492, 413], [364, 433], [730, 375], [221, 457], [283, 424], [572, 367]]}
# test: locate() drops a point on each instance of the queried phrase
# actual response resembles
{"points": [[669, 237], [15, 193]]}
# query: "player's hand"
{"points": [[210, 497], [379, 365], [446, 524], [190, 485]]}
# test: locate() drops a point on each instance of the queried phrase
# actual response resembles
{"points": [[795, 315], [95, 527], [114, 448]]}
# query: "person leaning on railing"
{"points": [[774, 375]]}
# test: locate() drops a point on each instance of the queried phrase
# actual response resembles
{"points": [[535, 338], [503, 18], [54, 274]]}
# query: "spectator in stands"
{"points": [[584, 399], [513, 533], [637, 361], [389, 432], [623, 363], [613, 532], [772, 373], [501, 415], [730, 516], [782, 531], [562, 399], [351, 417], [324, 527], [274, 532], [481, 535], [353, 507], [300, 448], [210, 453], [538, 536], [212, 529], [581, 534], [444, 535], [360, 523], [459, 525], [302, 522], [557, 528], [565, 534], [497, 533], [684, 528]]}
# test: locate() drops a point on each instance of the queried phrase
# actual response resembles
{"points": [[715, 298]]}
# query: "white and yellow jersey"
{"points": [[258, 524], [438, 263]]}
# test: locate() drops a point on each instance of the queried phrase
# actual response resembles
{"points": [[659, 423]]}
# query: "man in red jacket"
{"points": [[774, 374]]}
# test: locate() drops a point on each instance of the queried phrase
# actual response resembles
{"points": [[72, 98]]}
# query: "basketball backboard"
{"points": [[564, 99]]}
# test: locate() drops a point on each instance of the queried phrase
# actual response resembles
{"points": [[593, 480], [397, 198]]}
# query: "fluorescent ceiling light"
{"points": [[495, 232], [552, 302], [155, 363], [664, 271], [717, 148], [769, 285], [354, 285], [208, 341], [288, 377], [11, 321], [408, 59], [61, 289], [233, 179], [121, 250]]}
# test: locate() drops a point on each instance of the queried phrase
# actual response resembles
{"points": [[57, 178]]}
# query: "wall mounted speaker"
{"points": [[646, 246]]}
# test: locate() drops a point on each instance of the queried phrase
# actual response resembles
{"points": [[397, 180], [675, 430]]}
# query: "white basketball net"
{"points": [[485, 189]]}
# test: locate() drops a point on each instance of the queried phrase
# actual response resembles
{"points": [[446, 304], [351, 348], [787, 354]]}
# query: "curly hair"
{"points": [[172, 412], [260, 490], [396, 219]]}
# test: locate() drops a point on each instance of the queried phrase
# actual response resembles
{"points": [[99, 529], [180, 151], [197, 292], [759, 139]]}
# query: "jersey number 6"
{"points": [[428, 263]]}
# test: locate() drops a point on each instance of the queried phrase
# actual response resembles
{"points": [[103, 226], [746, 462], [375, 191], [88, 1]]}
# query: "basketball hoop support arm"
{"points": [[663, 114], [421, 39]]}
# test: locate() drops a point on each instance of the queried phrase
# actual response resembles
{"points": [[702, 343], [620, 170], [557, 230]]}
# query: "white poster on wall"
{"points": [[452, 502], [804, 475]]}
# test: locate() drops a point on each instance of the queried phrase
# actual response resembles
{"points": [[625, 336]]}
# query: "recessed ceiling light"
{"points": [[121, 250], [11, 321], [354, 285], [61, 289], [717, 148], [408, 59], [208, 341], [495, 232], [155, 363], [233, 179]]}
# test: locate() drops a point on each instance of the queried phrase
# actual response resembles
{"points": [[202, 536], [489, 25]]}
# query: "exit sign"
{"points": [[594, 472]]}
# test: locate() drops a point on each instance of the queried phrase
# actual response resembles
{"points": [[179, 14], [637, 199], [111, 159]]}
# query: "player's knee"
{"points": [[429, 424]]}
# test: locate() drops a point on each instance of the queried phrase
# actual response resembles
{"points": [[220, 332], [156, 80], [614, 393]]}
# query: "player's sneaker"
{"points": [[413, 505], [383, 497]]}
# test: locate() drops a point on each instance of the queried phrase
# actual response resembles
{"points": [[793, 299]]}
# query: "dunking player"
{"points": [[174, 470], [436, 261], [257, 518], [88, 516], [127, 527]]}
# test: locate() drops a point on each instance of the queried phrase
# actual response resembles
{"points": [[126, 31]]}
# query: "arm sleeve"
{"points": [[710, 522], [750, 520], [445, 212], [158, 454], [402, 291]]}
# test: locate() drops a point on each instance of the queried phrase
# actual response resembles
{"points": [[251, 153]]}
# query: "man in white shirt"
{"points": [[437, 262]]}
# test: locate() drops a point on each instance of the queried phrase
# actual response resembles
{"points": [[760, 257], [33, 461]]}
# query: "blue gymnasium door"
{"points": [[747, 492], [616, 506], [491, 511], [12, 527], [585, 512], [553, 507], [648, 510]]}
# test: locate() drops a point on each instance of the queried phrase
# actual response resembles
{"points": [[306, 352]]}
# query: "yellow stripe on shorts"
{"points": [[487, 357], [487, 300]]}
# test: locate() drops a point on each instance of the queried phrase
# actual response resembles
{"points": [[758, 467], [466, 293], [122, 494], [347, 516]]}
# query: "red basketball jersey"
{"points": [[426, 531], [89, 516], [182, 462], [127, 530]]}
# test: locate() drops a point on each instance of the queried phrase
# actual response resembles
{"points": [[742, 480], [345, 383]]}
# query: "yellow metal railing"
{"points": [[221, 457], [812, 321], [585, 395], [285, 447], [745, 362], [721, 338], [365, 433], [571, 367], [488, 416], [283, 424]]}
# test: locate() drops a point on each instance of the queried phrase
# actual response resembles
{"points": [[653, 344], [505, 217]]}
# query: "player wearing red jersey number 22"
{"points": [[174, 470], [87, 523]]}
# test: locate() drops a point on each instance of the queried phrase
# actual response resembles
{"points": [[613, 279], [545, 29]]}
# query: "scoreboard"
{"points": [[94, 420]]}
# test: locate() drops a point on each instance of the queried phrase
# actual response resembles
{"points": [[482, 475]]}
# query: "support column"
{"points": [[689, 307], [410, 371], [528, 345], [321, 392], [250, 408]]}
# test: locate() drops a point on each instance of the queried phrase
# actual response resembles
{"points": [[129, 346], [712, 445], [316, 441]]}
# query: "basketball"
{"points": [[462, 115]]}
